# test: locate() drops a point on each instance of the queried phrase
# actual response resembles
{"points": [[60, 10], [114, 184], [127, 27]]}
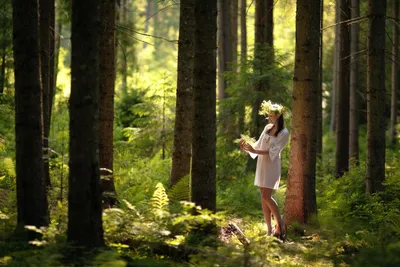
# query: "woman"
{"points": [[268, 173]]}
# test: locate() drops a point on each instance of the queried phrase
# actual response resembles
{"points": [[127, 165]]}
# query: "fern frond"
{"points": [[159, 199], [9, 166], [181, 190]]}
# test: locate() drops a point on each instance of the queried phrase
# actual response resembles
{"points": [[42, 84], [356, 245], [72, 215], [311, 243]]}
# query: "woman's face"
{"points": [[272, 117]]}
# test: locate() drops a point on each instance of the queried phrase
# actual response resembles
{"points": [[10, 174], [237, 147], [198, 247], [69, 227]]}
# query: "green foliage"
{"points": [[181, 190]]}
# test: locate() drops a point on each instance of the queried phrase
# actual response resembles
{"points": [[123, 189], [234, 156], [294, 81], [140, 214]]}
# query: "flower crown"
{"points": [[267, 107]]}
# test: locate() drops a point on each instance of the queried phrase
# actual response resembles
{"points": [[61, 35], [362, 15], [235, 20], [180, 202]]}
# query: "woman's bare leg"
{"points": [[273, 206], [267, 213]]}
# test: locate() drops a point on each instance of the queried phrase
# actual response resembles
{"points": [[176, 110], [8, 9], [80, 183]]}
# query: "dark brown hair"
{"points": [[281, 125]]}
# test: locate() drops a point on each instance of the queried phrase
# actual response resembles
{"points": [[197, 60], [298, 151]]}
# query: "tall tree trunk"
{"points": [[243, 58], [46, 11], [149, 13], [107, 89], [395, 74], [319, 113], [204, 96], [57, 43], [300, 204], [343, 103], [224, 44], [354, 82], [335, 77], [184, 94], [123, 65], [376, 96], [84, 198], [31, 194], [235, 6], [263, 27]]}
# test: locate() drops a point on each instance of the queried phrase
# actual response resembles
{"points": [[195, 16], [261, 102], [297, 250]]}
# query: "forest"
{"points": [[126, 128]]}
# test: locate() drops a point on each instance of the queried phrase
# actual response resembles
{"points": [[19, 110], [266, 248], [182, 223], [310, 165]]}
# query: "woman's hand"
{"points": [[242, 143], [249, 148]]}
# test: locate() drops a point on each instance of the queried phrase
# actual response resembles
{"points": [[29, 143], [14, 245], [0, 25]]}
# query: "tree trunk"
{"points": [[57, 42], [84, 198], [300, 204], [395, 74], [107, 89], [263, 37], [224, 44], [243, 58], [343, 103], [354, 82], [376, 96], [149, 13], [235, 5], [204, 93], [46, 11], [335, 77], [319, 113], [184, 94], [31, 194]]}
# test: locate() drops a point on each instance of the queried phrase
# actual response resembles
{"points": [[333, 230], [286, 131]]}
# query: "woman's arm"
{"points": [[249, 148]]}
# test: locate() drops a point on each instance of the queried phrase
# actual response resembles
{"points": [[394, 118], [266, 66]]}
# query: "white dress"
{"points": [[268, 172]]}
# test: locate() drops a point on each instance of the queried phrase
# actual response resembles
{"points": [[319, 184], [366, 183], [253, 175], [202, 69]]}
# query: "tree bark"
{"points": [[376, 96], [204, 92], [84, 198], [224, 44], [107, 90], [395, 74], [46, 22], [320, 91], [335, 77], [300, 204], [182, 151], [354, 82], [343, 103], [31, 194], [235, 6], [263, 27], [243, 58]]}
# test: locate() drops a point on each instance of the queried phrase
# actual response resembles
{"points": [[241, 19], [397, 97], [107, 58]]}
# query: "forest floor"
{"points": [[295, 250]]}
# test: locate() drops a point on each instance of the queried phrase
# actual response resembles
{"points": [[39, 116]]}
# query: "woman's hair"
{"points": [[281, 125]]}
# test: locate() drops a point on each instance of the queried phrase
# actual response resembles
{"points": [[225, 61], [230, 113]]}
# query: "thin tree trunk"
{"points": [[319, 113], [300, 204], [184, 94], [84, 198], [243, 58], [354, 82], [376, 96], [31, 194], [343, 103], [45, 20], [263, 27], [3, 52], [57, 43], [225, 44], [235, 6], [149, 13], [107, 90], [204, 92], [335, 77], [395, 74]]}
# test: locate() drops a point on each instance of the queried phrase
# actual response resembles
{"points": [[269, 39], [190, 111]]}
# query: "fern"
{"points": [[9, 166], [159, 200], [181, 190]]}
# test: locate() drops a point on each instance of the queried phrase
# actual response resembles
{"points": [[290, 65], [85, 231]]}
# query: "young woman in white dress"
{"points": [[268, 173]]}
